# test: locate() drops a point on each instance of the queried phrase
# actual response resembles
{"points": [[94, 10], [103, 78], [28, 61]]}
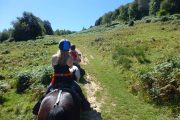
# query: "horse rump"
{"points": [[56, 113]]}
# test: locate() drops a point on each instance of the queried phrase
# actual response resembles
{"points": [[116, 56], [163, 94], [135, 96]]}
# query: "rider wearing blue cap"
{"points": [[63, 74]]}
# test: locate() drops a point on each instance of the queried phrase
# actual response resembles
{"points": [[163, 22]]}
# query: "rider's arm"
{"points": [[74, 69], [55, 59], [69, 62], [78, 57]]}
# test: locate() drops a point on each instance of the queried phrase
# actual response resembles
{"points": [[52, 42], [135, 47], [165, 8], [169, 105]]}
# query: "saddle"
{"points": [[74, 94]]}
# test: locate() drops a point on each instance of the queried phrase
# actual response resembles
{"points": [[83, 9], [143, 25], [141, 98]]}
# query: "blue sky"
{"points": [[62, 14]]}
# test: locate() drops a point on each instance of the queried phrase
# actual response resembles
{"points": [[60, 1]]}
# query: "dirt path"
{"points": [[91, 86]]}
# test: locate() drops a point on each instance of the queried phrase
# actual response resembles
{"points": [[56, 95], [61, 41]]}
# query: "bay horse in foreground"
{"points": [[60, 105]]}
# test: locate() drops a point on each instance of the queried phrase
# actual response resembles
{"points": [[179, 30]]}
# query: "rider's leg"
{"points": [[37, 105], [84, 101], [77, 65]]}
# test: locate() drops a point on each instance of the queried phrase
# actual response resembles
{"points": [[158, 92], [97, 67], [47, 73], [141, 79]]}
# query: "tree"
{"points": [[27, 27], [48, 28], [63, 32], [84, 29], [56, 32], [115, 14], [4, 35], [154, 7], [107, 18], [98, 21], [170, 6], [143, 7], [133, 11], [124, 13]]}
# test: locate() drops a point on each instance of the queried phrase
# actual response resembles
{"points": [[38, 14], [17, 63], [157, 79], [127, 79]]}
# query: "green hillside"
{"points": [[117, 56]]}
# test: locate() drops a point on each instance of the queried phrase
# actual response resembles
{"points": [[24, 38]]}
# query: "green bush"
{"points": [[23, 82], [148, 21], [99, 39], [164, 18], [122, 60], [4, 35], [6, 51], [1, 97], [123, 55], [162, 12], [46, 76], [35, 76], [42, 75], [163, 82], [2, 77], [176, 16], [131, 23]]}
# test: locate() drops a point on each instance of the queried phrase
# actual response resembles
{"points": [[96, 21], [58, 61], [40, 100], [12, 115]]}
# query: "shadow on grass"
{"points": [[91, 115], [84, 81]]}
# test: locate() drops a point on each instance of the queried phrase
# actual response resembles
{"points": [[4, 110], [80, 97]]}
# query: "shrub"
{"points": [[4, 35], [46, 76], [125, 62], [164, 19], [176, 16], [42, 75], [162, 12], [131, 23], [99, 39], [124, 53], [162, 84], [148, 21], [2, 77], [4, 87], [120, 57], [23, 82], [5, 51], [1, 97], [51, 42]]}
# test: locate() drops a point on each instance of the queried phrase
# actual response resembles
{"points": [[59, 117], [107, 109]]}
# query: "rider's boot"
{"points": [[85, 105]]}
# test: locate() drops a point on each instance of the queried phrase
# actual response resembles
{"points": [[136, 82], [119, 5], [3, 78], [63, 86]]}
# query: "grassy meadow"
{"points": [[116, 57]]}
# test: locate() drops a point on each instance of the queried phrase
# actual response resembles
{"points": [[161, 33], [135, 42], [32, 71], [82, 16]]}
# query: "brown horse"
{"points": [[59, 106]]}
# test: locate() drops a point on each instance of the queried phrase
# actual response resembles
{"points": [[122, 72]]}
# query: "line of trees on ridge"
{"points": [[29, 27], [139, 9]]}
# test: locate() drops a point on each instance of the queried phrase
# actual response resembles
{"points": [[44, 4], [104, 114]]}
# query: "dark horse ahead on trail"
{"points": [[60, 105]]}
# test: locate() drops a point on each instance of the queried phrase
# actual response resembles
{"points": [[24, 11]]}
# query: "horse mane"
{"points": [[56, 113]]}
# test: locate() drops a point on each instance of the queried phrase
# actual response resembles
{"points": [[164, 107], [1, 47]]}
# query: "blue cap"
{"points": [[64, 45]]}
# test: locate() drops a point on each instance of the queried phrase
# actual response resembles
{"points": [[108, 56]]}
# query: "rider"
{"points": [[63, 75], [75, 56]]}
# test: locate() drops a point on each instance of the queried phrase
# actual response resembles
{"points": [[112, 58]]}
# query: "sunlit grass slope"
{"points": [[119, 53]]}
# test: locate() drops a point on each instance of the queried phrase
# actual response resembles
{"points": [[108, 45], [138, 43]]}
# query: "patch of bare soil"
{"points": [[91, 86]]}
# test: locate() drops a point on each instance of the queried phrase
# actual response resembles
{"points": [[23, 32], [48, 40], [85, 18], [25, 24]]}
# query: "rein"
{"points": [[58, 98]]}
